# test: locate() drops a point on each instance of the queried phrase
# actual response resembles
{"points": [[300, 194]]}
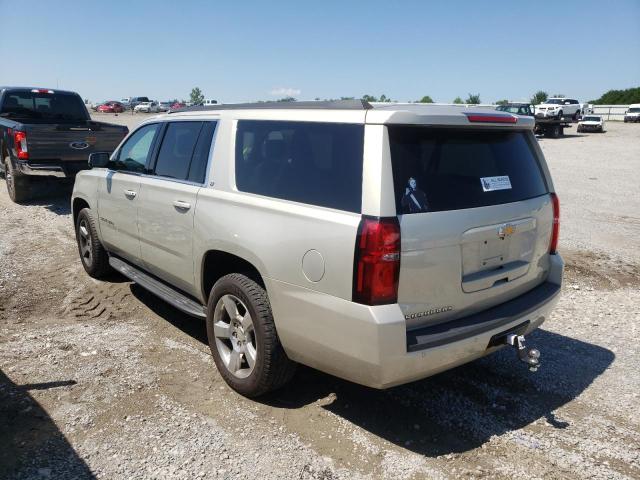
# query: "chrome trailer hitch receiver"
{"points": [[529, 356]]}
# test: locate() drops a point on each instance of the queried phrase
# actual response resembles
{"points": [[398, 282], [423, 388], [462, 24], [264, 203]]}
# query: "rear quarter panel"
{"points": [[274, 235]]}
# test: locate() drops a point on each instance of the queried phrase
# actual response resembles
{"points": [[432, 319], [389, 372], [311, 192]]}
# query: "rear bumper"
{"points": [[371, 345], [58, 170]]}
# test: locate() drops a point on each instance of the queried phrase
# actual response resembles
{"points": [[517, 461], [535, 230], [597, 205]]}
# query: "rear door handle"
{"points": [[181, 205], [130, 194]]}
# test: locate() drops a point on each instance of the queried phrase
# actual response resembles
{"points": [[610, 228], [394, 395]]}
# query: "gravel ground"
{"points": [[103, 380]]}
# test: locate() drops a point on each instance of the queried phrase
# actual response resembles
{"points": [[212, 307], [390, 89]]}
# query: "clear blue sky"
{"points": [[250, 50]]}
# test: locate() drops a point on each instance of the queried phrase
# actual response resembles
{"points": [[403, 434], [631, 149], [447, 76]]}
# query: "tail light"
{"points": [[377, 261], [20, 142], [555, 231]]}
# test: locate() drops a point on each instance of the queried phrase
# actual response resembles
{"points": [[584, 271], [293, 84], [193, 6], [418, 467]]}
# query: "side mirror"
{"points": [[567, 103], [99, 159]]}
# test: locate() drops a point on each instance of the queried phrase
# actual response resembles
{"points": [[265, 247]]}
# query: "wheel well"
{"points": [[217, 264], [78, 204]]}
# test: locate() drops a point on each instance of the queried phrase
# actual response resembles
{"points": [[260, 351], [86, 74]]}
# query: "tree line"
{"points": [[612, 97]]}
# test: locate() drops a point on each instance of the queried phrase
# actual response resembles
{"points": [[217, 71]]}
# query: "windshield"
{"points": [[55, 106], [591, 119], [555, 101], [518, 109], [634, 110]]}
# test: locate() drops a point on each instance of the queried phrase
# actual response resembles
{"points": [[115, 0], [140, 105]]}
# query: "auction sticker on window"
{"points": [[491, 184]]}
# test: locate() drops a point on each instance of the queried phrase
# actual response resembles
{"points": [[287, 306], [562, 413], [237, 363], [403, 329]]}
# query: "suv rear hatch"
{"points": [[475, 216]]}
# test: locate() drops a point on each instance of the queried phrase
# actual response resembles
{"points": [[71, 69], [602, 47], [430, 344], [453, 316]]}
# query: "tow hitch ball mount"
{"points": [[529, 356]]}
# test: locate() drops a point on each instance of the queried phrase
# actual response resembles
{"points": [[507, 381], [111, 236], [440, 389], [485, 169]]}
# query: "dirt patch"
{"points": [[599, 271]]}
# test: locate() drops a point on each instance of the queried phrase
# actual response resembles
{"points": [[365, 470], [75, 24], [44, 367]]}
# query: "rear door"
{"points": [[475, 218], [118, 193], [168, 198]]}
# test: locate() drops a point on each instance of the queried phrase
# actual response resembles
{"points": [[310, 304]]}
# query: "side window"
{"points": [[133, 155], [307, 162], [185, 150], [177, 149], [198, 167]]}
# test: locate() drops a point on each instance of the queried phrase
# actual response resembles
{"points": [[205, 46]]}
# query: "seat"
{"points": [[267, 173], [11, 102]]}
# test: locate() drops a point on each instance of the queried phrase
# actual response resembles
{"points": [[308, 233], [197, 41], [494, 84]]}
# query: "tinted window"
{"points": [[56, 106], [314, 163], [177, 149], [443, 169], [197, 170], [133, 155]]}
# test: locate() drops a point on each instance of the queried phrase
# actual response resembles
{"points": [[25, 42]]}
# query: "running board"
{"points": [[158, 288]]}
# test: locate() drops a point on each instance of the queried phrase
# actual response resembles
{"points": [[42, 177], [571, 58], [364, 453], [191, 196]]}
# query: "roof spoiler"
{"points": [[319, 105]]}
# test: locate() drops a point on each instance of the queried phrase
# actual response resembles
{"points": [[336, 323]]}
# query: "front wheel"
{"points": [[243, 339], [576, 115], [93, 255]]}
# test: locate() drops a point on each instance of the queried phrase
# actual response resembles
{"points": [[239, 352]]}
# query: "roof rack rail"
{"points": [[319, 105]]}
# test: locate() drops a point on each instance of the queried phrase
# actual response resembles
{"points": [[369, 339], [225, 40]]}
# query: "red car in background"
{"points": [[177, 106], [111, 107]]}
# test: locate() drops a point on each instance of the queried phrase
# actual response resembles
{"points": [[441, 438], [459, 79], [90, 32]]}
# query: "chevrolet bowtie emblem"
{"points": [[506, 230]]}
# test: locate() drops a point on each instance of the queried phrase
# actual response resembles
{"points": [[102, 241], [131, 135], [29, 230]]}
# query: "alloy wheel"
{"points": [[84, 238], [235, 336]]}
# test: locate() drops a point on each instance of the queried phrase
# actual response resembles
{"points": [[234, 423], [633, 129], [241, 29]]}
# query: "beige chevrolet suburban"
{"points": [[378, 243]]}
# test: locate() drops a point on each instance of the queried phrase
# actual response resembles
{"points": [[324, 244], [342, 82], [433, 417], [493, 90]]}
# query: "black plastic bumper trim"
{"points": [[495, 317]]}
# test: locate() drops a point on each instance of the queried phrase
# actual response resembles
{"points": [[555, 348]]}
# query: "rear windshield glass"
{"points": [[54, 106], [314, 163], [591, 119], [445, 169]]}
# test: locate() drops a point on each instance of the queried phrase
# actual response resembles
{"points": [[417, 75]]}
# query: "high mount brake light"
{"points": [[42, 90], [20, 143], [481, 118], [555, 231], [377, 261]]}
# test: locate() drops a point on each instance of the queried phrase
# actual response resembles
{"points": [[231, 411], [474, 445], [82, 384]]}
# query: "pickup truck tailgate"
{"points": [[71, 142]]}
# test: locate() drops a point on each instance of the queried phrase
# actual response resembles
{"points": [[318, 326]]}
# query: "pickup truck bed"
{"points": [[47, 133]]}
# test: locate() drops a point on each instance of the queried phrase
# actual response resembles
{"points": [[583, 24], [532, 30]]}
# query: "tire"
{"points": [[93, 256], [579, 130], [560, 115], [576, 116], [249, 337], [18, 185], [554, 131]]}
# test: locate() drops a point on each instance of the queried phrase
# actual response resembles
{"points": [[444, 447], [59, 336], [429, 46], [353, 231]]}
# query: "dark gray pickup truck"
{"points": [[47, 133]]}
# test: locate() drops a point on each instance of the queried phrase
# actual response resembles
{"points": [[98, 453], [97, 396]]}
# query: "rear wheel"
{"points": [[576, 115], [93, 255], [553, 131], [18, 185], [243, 339]]}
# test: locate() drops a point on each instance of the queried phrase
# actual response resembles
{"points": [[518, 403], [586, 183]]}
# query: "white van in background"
{"points": [[633, 113]]}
